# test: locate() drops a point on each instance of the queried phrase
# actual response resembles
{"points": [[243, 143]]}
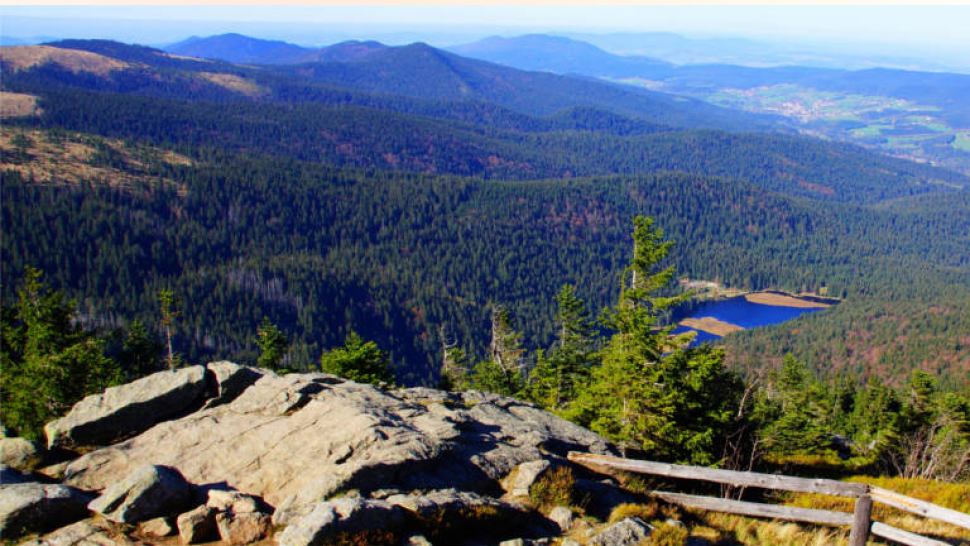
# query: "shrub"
{"points": [[555, 488]]}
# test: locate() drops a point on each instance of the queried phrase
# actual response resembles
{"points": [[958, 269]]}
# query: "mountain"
{"points": [[916, 115], [237, 48], [559, 55], [421, 71], [264, 191]]}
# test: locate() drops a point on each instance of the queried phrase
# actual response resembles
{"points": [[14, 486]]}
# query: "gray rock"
{"points": [[525, 475], [84, 533], [569, 542], [129, 409], [198, 525], [36, 507], [229, 380], [451, 505], [157, 528], [242, 527], [22, 454], [299, 439], [514, 542], [628, 532], [150, 491], [343, 515], [240, 518], [563, 517]]}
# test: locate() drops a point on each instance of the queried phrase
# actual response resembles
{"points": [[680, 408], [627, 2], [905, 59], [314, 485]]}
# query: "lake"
{"points": [[740, 312]]}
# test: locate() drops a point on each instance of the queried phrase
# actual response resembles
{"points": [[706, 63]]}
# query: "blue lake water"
{"points": [[743, 313]]}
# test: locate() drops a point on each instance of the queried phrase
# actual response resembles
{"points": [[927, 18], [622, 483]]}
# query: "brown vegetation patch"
{"points": [[64, 159], [817, 188], [781, 300], [235, 83], [711, 325], [17, 105], [26, 57]]}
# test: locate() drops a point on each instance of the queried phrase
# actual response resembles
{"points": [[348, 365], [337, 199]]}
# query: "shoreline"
{"points": [[711, 325]]}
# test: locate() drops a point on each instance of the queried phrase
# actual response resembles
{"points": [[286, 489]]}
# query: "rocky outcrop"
{"points": [[312, 457], [36, 507], [88, 532], [299, 439], [128, 409], [150, 491]]}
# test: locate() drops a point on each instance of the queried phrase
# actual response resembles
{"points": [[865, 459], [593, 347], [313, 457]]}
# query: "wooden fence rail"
{"points": [[860, 520]]}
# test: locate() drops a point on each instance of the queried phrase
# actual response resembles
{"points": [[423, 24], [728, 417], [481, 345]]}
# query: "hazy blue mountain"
{"points": [[421, 71], [237, 48], [559, 55]]}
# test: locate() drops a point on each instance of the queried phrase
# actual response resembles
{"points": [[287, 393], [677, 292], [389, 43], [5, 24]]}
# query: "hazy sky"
{"points": [[934, 27]]}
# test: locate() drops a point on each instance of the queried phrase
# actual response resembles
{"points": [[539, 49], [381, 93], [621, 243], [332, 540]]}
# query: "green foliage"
{"points": [[503, 372], [650, 394], [556, 378], [272, 343], [48, 362], [141, 352], [359, 361], [792, 411]]}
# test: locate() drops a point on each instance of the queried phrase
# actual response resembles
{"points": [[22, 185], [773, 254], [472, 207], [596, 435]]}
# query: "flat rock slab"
{"points": [[344, 516], [123, 411], [149, 492], [22, 454], [298, 439], [35, 507], [84, 533]]}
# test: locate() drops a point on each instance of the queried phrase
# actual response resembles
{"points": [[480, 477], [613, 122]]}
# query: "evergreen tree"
{"points": [[554, 380], [48, 363], [170, 310], [503, 372], [359, 361], [140, 352], [652, 395], [273, 344]]}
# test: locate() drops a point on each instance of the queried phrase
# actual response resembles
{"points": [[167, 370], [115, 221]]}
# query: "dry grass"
{"points": [[70, 159], [17, 105], [555, 488], [235, 83], [771, 298], [26, 57], [949, 495], [711, 325]]}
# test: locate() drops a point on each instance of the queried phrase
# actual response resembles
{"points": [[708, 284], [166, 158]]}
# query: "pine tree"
{"points": [[170, 310], [47, 362], [273, 345], [359, 361], [558, 373], [503, 372], [651, 394]]}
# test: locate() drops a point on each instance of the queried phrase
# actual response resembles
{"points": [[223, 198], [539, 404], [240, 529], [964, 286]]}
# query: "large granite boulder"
{"points": [[299, 439], [89, 532], [36, 507], [228, 380], [123, 411], [627, 532], [149, 492]]}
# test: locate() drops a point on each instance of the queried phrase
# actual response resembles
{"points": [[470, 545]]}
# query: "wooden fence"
{"points": [[860, 521]]}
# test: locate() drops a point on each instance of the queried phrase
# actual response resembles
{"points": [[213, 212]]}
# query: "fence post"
{"points": [[860, 521]]}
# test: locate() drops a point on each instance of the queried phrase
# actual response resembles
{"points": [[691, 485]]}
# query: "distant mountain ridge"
{"points": [[236, 48]]}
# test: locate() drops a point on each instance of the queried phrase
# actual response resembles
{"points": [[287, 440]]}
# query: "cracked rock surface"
{"points": [[296, 440]]}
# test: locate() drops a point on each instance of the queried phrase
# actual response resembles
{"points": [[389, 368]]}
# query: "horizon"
{"points": [[931, 38]]}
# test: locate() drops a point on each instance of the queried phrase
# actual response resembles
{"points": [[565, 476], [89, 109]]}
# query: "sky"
{"points": [[943, 30]]}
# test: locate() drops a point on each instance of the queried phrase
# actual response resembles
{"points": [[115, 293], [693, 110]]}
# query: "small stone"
{"points": [[513, 542], [22, 454], [242, 528], [628, 532], [198, 525], [418, 540], [563, 517], [526, 475], [232, 501], [157, 528]]}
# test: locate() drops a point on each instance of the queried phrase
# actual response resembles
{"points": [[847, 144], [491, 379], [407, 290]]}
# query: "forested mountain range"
{"points": [[333, 196]]}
